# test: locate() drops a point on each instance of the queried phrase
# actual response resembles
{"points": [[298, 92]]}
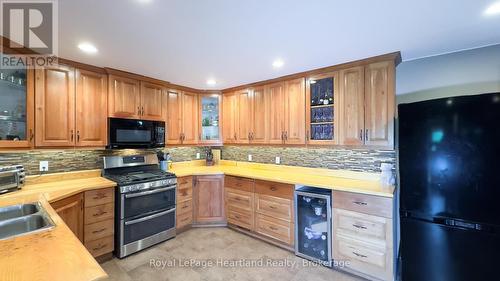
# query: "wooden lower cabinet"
{"points": [[208, 196], [99, 221], [363, 234], [240, 208], [184, 214], [71, 212]]}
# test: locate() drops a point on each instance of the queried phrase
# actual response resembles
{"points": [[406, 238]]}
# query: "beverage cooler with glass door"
{"points": [[313, 224]]}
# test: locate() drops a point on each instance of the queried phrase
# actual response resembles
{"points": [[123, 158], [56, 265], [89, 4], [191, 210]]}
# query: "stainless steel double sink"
{"points": [[23, 219]]}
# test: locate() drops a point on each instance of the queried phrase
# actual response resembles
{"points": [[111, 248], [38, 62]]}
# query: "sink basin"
{"points": [[23, 219], [17, 211]]}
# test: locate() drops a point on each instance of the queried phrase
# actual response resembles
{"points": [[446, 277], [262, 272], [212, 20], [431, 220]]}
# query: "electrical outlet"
{"points": [[277, 160], [198, 155], [44, 166], [250, 157]]}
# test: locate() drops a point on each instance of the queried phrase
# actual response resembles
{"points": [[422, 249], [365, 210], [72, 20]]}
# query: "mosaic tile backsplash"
{"points": [[332, 158], [365, 160]]}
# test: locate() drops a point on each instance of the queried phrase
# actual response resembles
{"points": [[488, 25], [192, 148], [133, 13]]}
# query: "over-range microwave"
{"points": [[133, 133]]}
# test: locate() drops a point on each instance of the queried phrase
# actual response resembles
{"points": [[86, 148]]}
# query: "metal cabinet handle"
{"points": [[360, 255], [31, 135], [98, 231], [361, 134], [139, 110], [72, 135], [360, 203], [99, 247], [286, 135], [273, 228], [78, 136], [142, 110], [235, 138], [359, 226], [99, 214], [366, 134], [282, 135], [307, 135]]}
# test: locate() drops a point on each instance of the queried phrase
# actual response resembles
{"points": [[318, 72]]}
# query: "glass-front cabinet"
{"points": [[210, 129], [322, 102], [16, 107]]}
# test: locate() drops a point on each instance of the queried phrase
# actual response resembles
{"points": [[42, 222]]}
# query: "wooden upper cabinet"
{"points": [[71, 212], [229, 117], [189, 118], [151, 101], [379, 104], [209, 118], [174, 117], [295, 111], [209, 199], [352, 106], [245, 116], [91, 108], [276, 95], [124, 98], [259, 132], [55, 106]]}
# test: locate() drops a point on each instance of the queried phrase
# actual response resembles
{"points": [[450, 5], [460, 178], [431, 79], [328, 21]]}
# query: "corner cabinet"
{"points": [[209, 119], [71, 212], [17, 97], [208, 196]]}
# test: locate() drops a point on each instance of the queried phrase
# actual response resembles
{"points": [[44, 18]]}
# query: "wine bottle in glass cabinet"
{"points": [[16, 107], [210, 129], [321, 104]]}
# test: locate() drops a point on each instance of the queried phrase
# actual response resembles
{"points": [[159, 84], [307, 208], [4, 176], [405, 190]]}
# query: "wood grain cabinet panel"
{"points": [[151, 101], [71, 212], [99, 230], [276, 95], [260, 124], [295, 111], [91, 108], [352, 106], [55, 106], [209, 200], [99, 213], [277, 229], [379, 104], [101, 246], [229, 117], [245, 116], [189, 118], [124, 98], [174, 117], [99, 197]]}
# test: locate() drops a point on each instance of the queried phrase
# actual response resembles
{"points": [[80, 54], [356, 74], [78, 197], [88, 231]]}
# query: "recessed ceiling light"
{"points": [[211, 82], [87, 48], [278, 63], [493, 9], [144, 1]]}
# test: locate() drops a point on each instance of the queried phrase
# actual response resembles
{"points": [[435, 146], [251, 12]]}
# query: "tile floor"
{"points": [[209, 247]]}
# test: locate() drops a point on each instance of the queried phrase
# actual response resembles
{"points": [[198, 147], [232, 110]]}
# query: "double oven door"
{"points": [[146, 217]]}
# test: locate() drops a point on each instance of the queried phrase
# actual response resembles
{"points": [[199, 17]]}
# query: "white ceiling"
{"points": [[187, 41]]}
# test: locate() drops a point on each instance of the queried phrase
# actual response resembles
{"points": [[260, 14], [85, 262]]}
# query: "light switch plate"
{"points": [[250, 157], [277, 160], [44, 166], [198, 155]]}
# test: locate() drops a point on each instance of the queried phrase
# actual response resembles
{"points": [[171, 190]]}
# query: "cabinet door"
{"points": [[352, 106], [229, 117], [17, 99], [245, 116], [151, 101], [189, 118], [379, 104], [295, 111], [71, 212], [209, 118], [124, 99], [55, 106], [91, 108], [174, 123], [209, 199], [276, 95], [260, 116]]}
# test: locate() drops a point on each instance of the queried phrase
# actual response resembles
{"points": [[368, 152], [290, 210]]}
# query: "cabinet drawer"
{"points": [[274, 228], [185, 207], [239, 199], [99, 230], [101, 246], [274, 207], [99, 213], [276, 189], [184, 190], [184, 182], [99, 197], [362, 253], [184, 219], [238, 183], [367, 204], [363, 226], [240, 217]]}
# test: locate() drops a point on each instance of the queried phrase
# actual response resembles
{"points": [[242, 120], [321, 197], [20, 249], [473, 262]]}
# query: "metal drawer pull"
{"points": [[237, 217], [273, 188], [99, 214], [185, 206], [359, 226], [99, 196], [99, 247], [149, 217], [360, 255], [98, 231], [272, 207], [149, 192], [360, 203], [273, 228]]}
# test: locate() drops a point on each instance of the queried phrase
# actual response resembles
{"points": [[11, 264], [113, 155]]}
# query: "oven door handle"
{"points": [[149, 217], [132, 195]]}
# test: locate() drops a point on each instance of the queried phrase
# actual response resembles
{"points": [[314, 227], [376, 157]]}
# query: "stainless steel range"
{"points": [[145, 202]]}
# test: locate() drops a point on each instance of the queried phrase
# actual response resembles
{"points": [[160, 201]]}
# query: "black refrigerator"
{"points": [[449, 180]]}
